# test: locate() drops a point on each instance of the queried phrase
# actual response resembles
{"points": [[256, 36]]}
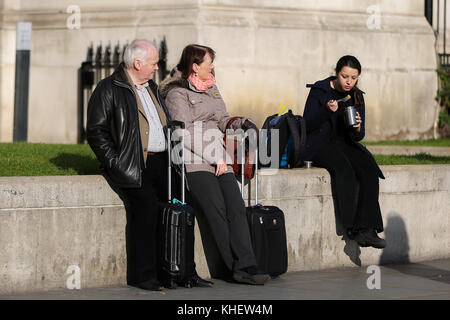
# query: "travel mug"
{"points": [[350, 116]]}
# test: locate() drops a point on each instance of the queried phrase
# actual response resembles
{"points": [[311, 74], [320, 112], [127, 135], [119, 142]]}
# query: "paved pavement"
{"points": [[428, 280]]}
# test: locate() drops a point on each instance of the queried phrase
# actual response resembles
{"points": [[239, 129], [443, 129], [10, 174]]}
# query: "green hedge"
{"points": [[443, 98]]}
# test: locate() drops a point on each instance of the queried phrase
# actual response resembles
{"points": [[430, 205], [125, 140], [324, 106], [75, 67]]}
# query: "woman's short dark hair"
{"points": [[193, 53]]}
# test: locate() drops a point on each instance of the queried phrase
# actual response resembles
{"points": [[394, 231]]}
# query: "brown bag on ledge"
{"points": [[249, 169]]}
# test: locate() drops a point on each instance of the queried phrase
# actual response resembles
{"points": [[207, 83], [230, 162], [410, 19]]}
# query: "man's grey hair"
{"points": [[137, 50]]}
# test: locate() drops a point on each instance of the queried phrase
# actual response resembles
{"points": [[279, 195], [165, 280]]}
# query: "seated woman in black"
{"points": [[334, 146]]}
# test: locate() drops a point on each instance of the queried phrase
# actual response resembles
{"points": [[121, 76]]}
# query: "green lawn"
{"points": [[37, 159], [420, 158], [444, 142]]}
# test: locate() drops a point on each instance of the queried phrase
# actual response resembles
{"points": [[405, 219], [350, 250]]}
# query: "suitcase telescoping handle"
{"points": [[173, 124], [242, 171]]}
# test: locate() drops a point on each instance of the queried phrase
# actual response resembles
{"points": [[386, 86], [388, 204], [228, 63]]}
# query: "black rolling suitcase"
{"points": [[268, 234], [175, 233]]}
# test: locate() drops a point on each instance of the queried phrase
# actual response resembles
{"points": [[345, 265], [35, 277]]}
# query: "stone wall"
{"points": [[267, 51], [49, 224]]}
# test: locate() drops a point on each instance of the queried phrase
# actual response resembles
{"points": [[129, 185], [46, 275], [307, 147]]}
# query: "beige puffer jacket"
{"points": [[203, 112]]}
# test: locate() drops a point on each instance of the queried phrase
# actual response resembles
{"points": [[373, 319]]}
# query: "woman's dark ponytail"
{"points": [[351, 62]]}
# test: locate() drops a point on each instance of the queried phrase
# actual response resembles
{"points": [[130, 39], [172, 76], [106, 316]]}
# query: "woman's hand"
{"points": [[332, 105], [357, 126], [221, 167]]}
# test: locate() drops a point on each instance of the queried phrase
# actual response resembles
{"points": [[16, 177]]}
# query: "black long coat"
{"points": [[320, 121]]}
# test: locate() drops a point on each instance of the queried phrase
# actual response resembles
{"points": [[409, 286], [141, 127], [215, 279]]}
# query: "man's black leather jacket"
{"points": [[113, 129]]}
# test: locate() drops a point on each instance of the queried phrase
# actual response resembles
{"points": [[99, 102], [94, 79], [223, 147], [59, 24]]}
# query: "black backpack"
{"points": [[292, 138]]}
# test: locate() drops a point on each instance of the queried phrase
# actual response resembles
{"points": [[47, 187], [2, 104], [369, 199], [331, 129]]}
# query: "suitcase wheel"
{"points": [[188, 284]]}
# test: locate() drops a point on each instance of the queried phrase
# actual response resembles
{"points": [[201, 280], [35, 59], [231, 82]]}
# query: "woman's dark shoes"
{"points": [[369, 238], [250, 276]]}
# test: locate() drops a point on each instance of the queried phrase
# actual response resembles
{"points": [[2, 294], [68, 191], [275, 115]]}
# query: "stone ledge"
{"points": [[50, 223]]}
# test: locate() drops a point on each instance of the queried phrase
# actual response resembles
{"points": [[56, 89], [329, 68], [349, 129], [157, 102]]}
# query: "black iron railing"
{"points": [[433, 14], [100, 65]]}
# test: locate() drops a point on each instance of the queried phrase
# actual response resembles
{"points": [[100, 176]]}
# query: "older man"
{"points": [[125, 130]]}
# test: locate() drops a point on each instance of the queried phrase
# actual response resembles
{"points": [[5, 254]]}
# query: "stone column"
{"points": [[7, 67]]}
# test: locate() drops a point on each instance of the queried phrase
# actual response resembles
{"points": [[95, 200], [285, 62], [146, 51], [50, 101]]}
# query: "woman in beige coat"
{"points": [[192, 97]]}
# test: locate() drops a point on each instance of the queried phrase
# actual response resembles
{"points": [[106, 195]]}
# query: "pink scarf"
{"points": [[201, 85]]}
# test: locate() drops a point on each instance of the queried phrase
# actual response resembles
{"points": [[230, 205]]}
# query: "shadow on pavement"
{"points": [[396, 254]]}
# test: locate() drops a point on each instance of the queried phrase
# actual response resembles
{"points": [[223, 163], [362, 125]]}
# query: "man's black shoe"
{"points": [[369, 238], [196, 281], [199, 282]]}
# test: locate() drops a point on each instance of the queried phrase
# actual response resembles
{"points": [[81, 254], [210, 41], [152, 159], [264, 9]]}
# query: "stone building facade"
{"points": [[267, 51]]}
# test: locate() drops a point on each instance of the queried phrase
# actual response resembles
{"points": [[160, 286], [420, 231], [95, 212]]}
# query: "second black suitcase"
{"points": [[268, 233]]}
